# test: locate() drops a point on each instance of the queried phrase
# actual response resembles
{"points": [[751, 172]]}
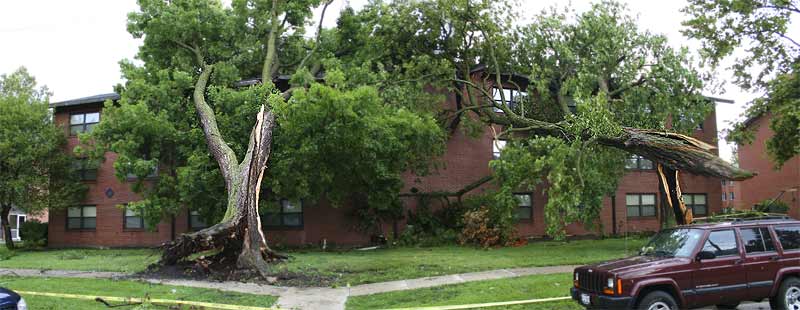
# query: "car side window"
{"points": [[722, 243], [789, 236], [756, 240]]}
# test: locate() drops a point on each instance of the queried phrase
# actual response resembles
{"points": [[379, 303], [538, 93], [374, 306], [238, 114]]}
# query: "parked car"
{"points": [[700, 265], [9, 300]]}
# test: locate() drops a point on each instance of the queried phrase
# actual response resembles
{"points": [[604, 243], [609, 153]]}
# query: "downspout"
{"points": [[172, 228], [614, 214]]}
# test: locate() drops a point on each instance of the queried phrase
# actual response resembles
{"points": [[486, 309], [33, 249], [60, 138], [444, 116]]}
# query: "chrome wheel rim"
{"points": [[660, 305], [792, 298]]}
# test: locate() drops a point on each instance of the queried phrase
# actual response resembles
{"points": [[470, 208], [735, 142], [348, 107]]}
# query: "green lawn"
{"points": [[357, 267], [115, 288], [522, 288], [121, 260]]}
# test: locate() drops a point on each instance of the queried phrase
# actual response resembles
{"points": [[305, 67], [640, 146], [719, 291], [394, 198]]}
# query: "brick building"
{"points": [[732, 195], [636, 206], [769, 183]]}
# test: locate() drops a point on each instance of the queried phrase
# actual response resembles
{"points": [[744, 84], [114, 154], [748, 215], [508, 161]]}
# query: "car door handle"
{"points": [[738, 261], [774, 258]]}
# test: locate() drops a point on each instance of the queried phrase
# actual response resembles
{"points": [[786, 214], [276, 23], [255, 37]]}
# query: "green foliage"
{"points": [[425, 227], [35, 173], [34, 234], [772, 206], [6, 254], [760, 29]]}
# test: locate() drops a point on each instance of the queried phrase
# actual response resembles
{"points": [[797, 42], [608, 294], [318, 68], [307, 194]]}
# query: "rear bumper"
{"points": [[602, 301]]}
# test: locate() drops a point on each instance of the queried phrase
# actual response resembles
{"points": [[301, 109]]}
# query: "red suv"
{"points": [[700, 265]]}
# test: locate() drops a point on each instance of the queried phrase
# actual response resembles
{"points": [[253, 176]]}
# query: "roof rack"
{"points": [[741, 217]]}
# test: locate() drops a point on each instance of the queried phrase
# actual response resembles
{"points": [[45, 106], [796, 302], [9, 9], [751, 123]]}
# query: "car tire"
{"points": [[789, 289], [658, 300]]}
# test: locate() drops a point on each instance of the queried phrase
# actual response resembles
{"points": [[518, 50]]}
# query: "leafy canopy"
{"points": [[35, 173], [759, 29]]}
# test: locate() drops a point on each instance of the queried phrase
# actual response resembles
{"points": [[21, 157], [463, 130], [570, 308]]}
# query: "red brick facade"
{"points": [[769, 183], [465, 161]]}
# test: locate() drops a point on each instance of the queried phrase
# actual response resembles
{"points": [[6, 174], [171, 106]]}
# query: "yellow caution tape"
{"points": [[485, 305], [153, 300]]}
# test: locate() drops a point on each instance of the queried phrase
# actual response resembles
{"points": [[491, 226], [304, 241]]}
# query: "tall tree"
{"points": [[35, 172], [770, 58], [349, 134]]}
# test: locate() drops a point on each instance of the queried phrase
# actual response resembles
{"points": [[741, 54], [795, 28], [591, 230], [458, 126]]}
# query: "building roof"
{"points": [[85, 100]]}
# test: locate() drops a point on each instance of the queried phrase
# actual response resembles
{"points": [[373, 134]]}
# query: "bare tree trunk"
{"points": [[4, 212]]}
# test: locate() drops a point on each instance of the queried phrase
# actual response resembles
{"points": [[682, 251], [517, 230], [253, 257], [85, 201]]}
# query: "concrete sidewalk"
{"points": [[305, 297]]}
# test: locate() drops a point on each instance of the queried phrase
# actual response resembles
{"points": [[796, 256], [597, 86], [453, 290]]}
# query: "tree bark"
{"points": [[5, 210], [240, 229]]}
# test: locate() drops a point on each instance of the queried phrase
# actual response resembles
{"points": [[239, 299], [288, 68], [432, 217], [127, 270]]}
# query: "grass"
{"points": [[356, 267], [120, 260], [359, 267], [120, 289], [522, 288]]}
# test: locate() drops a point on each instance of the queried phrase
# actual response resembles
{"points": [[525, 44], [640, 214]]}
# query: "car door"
{"points": [[760, 261], [720, 280]]}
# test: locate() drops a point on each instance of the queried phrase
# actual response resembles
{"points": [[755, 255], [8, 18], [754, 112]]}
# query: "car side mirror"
{"points": [[703, 255]]}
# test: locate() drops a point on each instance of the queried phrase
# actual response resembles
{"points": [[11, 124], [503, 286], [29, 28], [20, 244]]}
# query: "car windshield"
{"points": [[673, 243]]}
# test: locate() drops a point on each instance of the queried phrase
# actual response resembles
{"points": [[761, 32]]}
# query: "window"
{"points": [[757, 240], [83, 122], [84, 217], [524, 206], [132, 220], [290, 214], [195, 221], [641, 205], [497, 148], [697, 202], [721, 243], [637, 162], [731, 196], [86, 170], [724, 197], [789, 237], [512, 97]]}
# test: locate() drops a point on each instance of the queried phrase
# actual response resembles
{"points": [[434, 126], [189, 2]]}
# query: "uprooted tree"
{"points": [[252, 83]]}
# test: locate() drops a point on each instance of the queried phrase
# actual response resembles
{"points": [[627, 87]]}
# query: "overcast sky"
{"points": [[74, 47]]}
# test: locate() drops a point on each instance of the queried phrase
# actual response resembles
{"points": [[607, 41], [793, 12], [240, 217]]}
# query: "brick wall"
{"points": [[769, 182], [466, 160]]}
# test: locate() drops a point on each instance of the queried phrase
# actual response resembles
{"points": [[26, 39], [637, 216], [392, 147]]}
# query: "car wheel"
{"points": [[728, 306], [658, 300], [788, 296]]}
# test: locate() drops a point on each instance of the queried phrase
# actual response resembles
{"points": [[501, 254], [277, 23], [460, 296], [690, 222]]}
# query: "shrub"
{"points": [[772, 206], [6, 254], [33, 234], [429, 228], [479, 229]]}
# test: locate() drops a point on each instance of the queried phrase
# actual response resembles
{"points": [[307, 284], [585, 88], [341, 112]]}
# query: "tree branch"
{"points": [[266, 71], [319, 34], [224, 155]]}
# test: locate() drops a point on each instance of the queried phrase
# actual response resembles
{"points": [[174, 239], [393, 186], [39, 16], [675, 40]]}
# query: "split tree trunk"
{"points": [[240, 231], [5, 210]]}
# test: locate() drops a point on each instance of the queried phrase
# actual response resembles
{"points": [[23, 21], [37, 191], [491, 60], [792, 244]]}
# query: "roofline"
{"points": [[85, 100], [721, 100]]}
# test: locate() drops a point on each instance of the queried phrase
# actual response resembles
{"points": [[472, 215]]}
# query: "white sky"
{"points": [[74, 47]]}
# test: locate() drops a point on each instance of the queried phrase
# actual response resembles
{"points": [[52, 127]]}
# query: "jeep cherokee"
{"points": [[700, 265]]}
